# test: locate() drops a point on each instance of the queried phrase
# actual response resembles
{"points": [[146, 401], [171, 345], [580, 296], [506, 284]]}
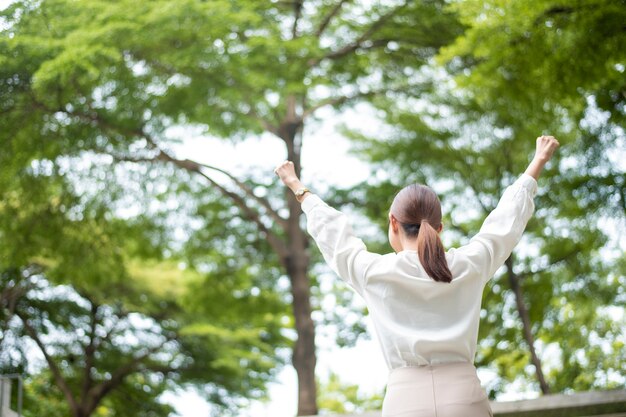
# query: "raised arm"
{"points": [[345, 253], [504, 226], [287, 174], [546, 145]]}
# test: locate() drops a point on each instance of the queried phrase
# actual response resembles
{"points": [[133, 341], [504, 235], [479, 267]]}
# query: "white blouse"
{"points": [[420, 321]]}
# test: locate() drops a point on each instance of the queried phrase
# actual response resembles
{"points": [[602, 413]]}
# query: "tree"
{"points": [[113, 78], [545, 58], [92, 363], [116, 322], [101, 357], [544, 66]]}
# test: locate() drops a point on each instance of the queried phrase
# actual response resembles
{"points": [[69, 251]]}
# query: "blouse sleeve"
{"points": [[503, 228], [345, 253]]}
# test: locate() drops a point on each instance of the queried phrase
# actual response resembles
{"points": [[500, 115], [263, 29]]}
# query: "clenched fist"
{"points": [[546, 145], [287, 173]]}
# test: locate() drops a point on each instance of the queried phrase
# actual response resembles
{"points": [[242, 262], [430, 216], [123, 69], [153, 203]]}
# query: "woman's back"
{"points": [[418, 320], [425, 303]]}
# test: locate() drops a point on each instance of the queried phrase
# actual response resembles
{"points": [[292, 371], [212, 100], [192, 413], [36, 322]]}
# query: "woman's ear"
{"points": [[393, 222], [440, 228]]}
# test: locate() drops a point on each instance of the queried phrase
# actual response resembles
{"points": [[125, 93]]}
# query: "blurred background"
{"points": [[151, 265]]}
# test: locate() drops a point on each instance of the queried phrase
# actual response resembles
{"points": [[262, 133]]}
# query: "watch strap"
{"points": [[301, 191]]}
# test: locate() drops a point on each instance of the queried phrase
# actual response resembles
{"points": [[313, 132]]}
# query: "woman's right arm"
{"points": [[345, 253], [546, 145], [504, 226], [342, 250]]}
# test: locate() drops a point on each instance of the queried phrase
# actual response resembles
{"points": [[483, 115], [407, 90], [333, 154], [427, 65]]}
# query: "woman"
{"points": [[425, 302]]}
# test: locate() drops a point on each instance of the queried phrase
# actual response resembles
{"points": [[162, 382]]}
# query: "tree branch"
{"points": [[333, 101], [56, 372], [98, 392], [353, 47], [192, 166], [297, 7], [275, 242], [329, 17], [470, 182], [358, 43], [526, 324], [250, 193], [90, 350], [173, 71], [266, 125], [553, 262]]}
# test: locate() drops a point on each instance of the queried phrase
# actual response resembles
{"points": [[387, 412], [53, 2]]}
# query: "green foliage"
{"points": [[340, 397], [558, 67], [87, 345], [151, 353], [43, 221], [542, 59], [41, 397], [98, 83], [103, 71], [62, 252], [470, 138]]}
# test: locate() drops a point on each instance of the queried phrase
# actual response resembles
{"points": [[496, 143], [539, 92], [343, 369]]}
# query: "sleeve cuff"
{"points": [[310, 202], [528, 182]]}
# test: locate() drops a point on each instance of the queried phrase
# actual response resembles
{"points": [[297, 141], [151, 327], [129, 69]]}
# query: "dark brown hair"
{"points": [[418, 210]]}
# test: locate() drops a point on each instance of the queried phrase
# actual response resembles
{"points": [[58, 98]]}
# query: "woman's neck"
{"points": [[408, 244]]}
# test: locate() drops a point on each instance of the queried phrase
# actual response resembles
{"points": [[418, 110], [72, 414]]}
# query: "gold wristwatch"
{"points": [[301, 191]]}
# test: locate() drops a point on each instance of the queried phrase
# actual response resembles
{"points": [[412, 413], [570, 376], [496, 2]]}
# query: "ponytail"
{"points": [[432, 254], [417, 208]]}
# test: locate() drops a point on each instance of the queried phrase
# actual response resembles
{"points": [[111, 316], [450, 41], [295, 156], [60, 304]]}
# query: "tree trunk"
{"points": [[297, 264], [304, 357], [526, 325]]}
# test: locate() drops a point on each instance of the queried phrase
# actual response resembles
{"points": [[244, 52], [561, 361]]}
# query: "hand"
{"points": [[287, 174], [546, 145]]}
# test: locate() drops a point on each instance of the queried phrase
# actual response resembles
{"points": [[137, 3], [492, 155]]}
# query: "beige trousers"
{"points": [[446, 390]]}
